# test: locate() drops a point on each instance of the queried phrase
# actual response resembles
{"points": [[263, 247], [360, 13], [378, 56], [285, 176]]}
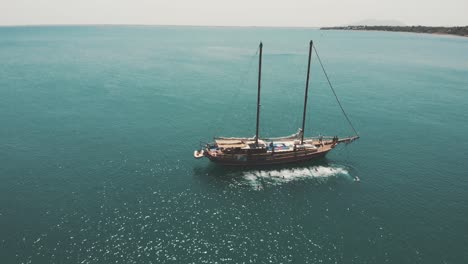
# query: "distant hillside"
{"points": [[378, 22], [459, 31]]}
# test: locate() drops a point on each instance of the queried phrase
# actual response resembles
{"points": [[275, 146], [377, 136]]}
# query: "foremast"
{"points": [[306, 93], [258, 92]]}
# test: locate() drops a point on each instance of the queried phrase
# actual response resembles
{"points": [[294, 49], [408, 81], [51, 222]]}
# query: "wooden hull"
{"points": [[289, 153], [268, 159]]}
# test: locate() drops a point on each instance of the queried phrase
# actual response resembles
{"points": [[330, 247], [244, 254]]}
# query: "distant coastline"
{"points": [[458, 31]]}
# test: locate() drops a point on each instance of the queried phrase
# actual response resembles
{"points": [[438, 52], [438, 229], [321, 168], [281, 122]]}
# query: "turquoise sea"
{"points": [[99, 125]]}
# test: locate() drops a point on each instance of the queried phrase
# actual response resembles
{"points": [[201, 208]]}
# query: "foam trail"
{"points": [[276, 177]]}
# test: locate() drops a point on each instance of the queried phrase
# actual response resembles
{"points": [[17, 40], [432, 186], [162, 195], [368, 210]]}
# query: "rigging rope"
{"points": [[241, 83], [333, 90]]}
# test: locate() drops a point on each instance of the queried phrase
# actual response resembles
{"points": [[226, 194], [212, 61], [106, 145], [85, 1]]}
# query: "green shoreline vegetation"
{"points": [[458, 31]]}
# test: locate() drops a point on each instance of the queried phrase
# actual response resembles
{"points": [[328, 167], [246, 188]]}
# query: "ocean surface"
{"points": [[98, 125]]}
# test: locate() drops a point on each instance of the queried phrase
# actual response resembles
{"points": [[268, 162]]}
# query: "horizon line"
{"points": [[214, 26], [156, 25]]}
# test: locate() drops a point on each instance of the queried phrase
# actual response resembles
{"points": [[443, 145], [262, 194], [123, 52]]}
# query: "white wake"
{"points": [[258, 178]]}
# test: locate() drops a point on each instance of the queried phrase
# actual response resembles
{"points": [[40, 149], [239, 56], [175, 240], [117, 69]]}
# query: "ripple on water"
{"points": [[185, 227]]}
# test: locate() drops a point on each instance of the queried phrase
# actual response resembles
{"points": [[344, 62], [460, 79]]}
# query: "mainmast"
{"points": [[306, 92], [258, 93]]}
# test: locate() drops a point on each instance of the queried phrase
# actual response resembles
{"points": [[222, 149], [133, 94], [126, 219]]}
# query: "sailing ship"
{"points": [[281, 150]]}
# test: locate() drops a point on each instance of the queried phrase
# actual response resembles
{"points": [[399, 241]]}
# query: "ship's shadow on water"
{"points": [[314, 172]]}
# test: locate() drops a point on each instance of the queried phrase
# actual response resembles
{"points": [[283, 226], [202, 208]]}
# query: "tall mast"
{"points": [[306, 92], [258, 93]]}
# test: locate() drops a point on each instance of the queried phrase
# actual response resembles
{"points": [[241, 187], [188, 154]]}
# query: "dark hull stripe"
{"points": [[283, 160]]}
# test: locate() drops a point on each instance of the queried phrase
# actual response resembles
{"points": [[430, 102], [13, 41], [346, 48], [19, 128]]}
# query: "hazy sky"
{"points": [[232, 13]]}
